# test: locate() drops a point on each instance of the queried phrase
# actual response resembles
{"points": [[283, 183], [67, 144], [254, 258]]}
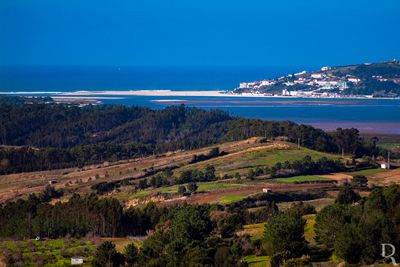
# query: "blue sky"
{"points": [[198, 32]]}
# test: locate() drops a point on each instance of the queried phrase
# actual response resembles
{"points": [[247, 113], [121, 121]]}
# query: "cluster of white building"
{"points": [[382, 79], [319, 83], [298, 93], [321, 80], [256, 84]]}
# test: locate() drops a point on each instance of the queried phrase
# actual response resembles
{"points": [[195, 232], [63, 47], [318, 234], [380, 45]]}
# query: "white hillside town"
{"points": [[346, 81]]}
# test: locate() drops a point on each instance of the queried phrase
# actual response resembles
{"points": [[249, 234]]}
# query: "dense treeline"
{"points": [[356, 232], [260, 200], [206, 235], [80, 216], [59, 136], [306, 166], [26, 159]]}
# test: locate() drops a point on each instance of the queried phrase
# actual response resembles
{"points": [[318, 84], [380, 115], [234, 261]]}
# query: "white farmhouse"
{"points": [[76, 260]]}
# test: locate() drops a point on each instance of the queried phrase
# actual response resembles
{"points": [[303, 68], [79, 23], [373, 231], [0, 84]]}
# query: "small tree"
{"points": [[131, 255], [285, 234], [181, 190], [347, 195], [237, 176], [360, 180], [107, 256], [210, 173], [192, 187], [142, 184], [214, 152], [251, 174]]}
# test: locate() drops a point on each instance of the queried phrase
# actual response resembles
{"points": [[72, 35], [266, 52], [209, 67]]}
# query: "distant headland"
{"points": [[362, 80]]}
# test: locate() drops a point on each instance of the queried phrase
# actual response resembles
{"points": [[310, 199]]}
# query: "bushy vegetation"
{"points": [[276, 197], [214, 152], [356, 232], [284, 237], [53, 252], [305, 166], [195, 175]]}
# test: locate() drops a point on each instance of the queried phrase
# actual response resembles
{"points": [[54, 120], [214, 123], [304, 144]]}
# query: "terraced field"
{"points": [[238, 157]]}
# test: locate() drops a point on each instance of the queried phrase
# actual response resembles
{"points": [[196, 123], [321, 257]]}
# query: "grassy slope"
{"points": [[240, 158], [390, 145], [257, 261], [203, 187], [302, 178], [318, 204], [255, 231], [261, 156], [231, 199]]}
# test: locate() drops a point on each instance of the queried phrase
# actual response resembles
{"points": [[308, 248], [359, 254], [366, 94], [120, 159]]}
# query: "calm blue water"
{"points": [[131, 78], [369, 115]]}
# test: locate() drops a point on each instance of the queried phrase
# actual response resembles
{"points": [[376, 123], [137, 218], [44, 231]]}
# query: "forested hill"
{"points": [[45, 136]]}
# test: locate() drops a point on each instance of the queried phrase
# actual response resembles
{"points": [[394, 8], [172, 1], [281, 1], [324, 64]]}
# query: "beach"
{"points": [[149, 93]]}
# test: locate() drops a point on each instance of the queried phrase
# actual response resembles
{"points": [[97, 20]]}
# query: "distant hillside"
{"points": [[48, 136], [372, 79]]}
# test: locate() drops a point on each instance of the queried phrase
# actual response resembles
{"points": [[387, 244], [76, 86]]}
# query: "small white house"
{"points": [[76, 260], [266, 190], [383, 166]]}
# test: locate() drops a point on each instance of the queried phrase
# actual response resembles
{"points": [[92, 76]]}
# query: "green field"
{"points": [[54, 252], [257, 261], [268, 156], [367, 173], [390, 145], [203, 187], [255, 231], [318, 204], [302, 178], [239, 161], [231, 199]]}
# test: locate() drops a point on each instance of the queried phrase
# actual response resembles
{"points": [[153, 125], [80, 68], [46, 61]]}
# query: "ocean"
{"points": [[368, 115], [70, 78]]}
